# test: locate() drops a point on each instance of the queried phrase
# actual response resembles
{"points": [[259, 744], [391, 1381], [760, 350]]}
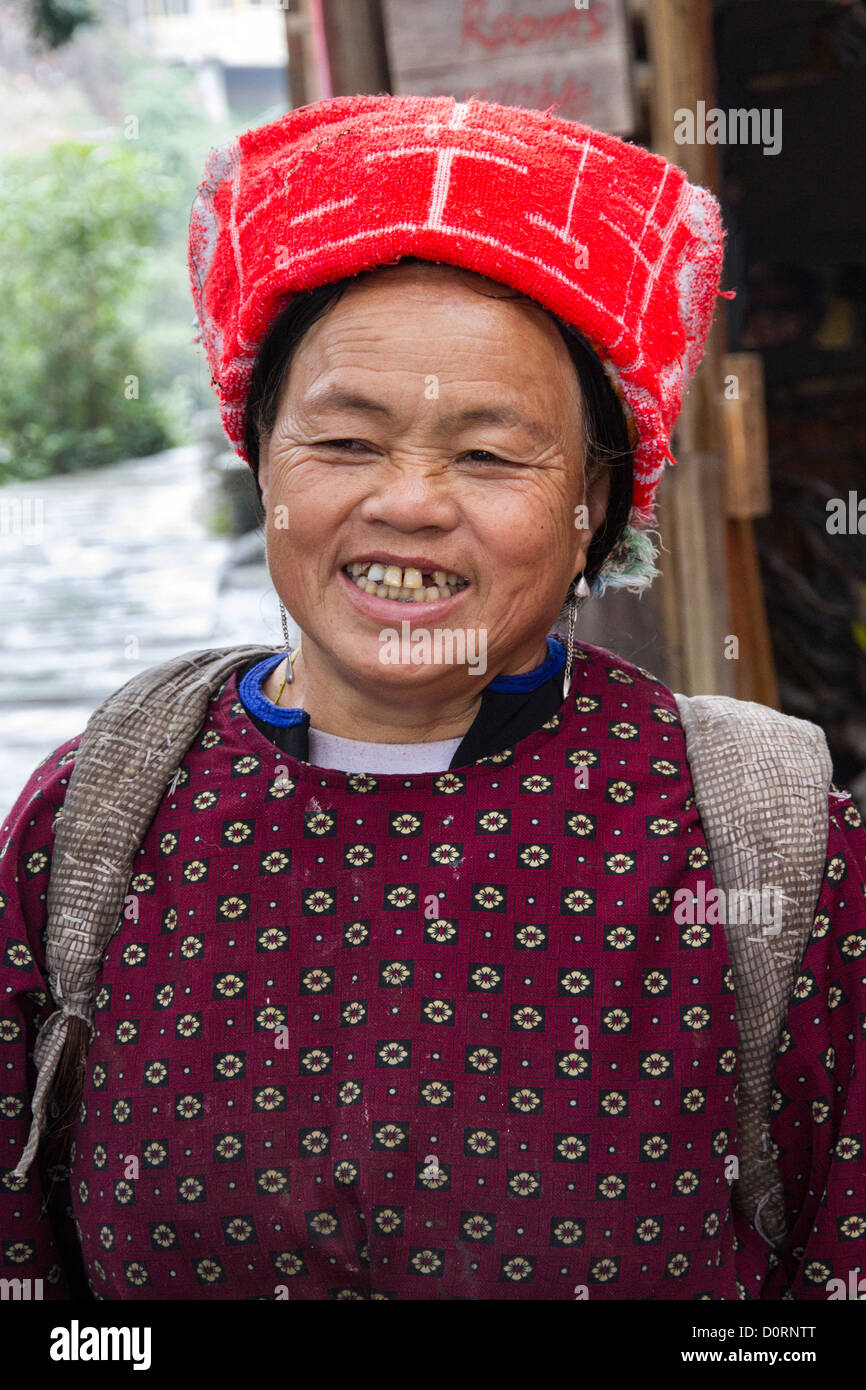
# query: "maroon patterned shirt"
{"points": [[434, 1036]]}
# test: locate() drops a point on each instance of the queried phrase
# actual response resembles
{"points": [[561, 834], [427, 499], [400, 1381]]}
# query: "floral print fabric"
{"points": [[439, 1036]]}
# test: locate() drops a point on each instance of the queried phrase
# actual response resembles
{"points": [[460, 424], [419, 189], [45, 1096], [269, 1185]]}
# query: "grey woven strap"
{"points": [[761, 780], [128, 751]]}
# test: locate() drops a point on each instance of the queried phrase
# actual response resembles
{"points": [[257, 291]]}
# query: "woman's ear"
{"points": [[263, 476], [590, 516], [598, 495]]}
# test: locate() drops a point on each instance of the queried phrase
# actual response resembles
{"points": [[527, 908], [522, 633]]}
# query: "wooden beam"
{"points": [[694, 569], [721, 441], [754, 669], [744, 436], [355, 36], [747, 495], [301, 63]]}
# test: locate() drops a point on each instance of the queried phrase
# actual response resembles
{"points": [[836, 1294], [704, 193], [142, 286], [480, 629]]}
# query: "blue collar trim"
{"points": [[531, 680], [250, 691], [250, 687]]}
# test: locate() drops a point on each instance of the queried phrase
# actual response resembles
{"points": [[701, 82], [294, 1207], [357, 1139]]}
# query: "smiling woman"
{"points": [[400, 966], [426, 434], [604, 442]]}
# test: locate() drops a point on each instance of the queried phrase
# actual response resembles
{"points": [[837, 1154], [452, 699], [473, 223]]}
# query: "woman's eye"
{"points": [[348, 446], [342, 444]]}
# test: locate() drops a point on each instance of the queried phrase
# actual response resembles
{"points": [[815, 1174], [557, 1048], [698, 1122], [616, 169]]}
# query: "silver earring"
{"points": [[579, 595], [289, 676], [284, 620]]}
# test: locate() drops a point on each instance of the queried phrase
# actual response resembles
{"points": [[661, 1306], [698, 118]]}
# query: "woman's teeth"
{"points": [[405, 585]]}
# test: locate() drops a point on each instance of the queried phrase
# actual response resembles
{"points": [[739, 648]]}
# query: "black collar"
{"points": [[503, 718]]}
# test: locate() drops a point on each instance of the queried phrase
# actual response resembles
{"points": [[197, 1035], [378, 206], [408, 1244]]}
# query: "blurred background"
{"points": [[128, 528]]}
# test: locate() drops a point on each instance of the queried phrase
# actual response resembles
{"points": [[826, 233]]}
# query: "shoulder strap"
{"points": [[129, 748], [761, 780]]}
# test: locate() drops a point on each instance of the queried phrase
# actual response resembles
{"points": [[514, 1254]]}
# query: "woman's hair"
{"points": [[606, 445], [606, 438]]}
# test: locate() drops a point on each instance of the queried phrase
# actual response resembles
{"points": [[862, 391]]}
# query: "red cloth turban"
{"points": [[608, 235]]}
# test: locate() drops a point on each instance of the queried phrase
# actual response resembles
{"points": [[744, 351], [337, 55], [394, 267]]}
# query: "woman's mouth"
{"points": [[403, 584]]}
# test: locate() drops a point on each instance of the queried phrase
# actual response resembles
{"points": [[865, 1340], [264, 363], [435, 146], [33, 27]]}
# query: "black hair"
{"points": [[606, 430]]}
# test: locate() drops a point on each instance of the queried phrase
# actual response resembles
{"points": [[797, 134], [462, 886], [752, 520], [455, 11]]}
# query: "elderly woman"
{"points": [[372, 969]]}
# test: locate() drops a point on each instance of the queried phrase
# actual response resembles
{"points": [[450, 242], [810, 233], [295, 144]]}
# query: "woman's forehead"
{"points": [[388, 305], [403, 321], [438, 277]]}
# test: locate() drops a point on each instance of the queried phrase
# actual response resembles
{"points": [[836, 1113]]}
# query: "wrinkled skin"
{"points": [[493, 502]]}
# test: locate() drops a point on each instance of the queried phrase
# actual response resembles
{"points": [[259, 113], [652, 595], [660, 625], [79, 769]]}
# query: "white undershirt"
{"points": [[355, 755]]}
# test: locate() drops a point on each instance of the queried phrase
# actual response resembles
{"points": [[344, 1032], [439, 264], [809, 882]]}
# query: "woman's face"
{"points": [[425, 426]]}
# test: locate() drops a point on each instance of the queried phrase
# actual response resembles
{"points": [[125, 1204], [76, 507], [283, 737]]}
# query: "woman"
{"points": [[400, 1005]]}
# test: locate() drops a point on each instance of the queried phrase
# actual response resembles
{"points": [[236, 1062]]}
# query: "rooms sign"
{"points": [[536, 53]]}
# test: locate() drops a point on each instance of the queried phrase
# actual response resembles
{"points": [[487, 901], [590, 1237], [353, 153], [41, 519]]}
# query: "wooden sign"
{"points": [[536, 53]]}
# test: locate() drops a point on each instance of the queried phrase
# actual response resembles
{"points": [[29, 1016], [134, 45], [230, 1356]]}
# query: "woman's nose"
{"points": [[411, 496]]}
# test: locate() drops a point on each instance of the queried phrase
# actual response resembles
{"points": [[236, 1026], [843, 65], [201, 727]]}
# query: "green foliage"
{"points": [[94, 285], [173, 130], [77, 226], [53, 22]]}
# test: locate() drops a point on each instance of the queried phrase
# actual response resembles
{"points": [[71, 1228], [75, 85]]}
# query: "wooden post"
{"points": [[723, 479], [755, 668], [744, 436], [301, 73], [747, 495], [691, 515], [357, 53]]}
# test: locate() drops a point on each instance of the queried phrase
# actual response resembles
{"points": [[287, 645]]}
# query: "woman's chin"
{"points": [[389, 667]]}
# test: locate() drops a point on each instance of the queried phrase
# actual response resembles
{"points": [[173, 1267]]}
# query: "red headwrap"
{"points": [[606, 234]]}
